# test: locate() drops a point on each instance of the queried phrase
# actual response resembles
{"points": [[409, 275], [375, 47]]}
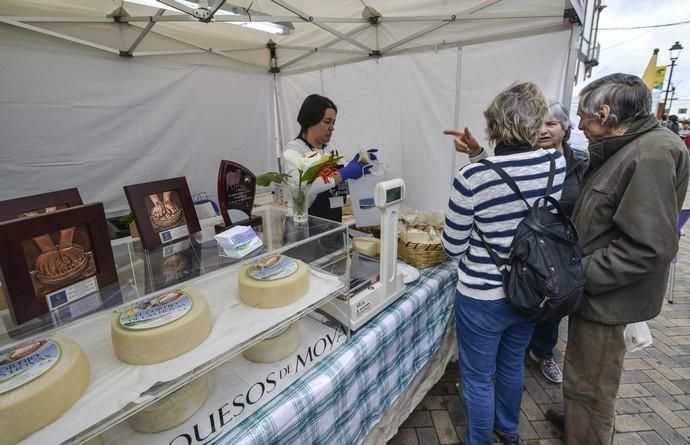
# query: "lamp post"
{"points": [[673, 95], [675, 53]]}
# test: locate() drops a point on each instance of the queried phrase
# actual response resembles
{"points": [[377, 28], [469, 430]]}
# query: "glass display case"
{"points": [[235, 384]]}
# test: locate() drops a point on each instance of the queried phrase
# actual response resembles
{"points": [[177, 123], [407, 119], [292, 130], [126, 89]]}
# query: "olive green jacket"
{"points": [[627, 217]]}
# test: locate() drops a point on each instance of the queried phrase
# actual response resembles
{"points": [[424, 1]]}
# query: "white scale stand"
{"points": [[362, 307]]}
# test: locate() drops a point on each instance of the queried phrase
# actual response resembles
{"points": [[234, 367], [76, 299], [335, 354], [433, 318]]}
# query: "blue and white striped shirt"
{"points": [[479, 197]]}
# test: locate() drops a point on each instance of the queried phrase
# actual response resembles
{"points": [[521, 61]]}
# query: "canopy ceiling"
{"points": [[324, 33]]}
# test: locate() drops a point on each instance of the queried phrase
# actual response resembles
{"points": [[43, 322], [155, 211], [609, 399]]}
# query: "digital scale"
{"points": [[373, 288]]}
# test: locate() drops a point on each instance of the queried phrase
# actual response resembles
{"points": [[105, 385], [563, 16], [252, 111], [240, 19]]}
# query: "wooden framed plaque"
{"points": [[163, 211], [55, 258], [236, 191], [37, 204]]}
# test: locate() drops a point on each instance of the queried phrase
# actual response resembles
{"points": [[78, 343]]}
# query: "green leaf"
{"points": [[312, 172], [267, 178]]}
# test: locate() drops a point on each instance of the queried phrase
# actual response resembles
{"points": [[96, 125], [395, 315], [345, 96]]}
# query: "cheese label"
{"points": [[25, 363], [156, 312], [273, 267]]}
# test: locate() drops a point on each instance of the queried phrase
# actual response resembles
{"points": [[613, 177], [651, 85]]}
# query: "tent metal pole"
{"points": [[325, 45], [324, 50], [58, 35], [170, 52], [59, 19], [571, 64], [411, 37], [143, 33], [486, 39], [278, 122], [456, 117], [307, 18]]}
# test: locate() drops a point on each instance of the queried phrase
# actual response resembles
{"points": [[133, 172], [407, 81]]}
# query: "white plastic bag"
{"points": [[637, 336]]}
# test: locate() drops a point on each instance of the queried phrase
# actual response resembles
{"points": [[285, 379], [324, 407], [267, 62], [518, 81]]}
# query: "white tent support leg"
{"points": [[278, 135], [571, 66], [456, 118]]}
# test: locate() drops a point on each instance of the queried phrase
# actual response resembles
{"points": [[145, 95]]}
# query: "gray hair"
{"points": [[626, 95], [516, 114], [560, 113]]}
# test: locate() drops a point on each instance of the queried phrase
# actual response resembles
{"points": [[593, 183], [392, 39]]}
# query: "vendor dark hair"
{"points": [[312, 111]]}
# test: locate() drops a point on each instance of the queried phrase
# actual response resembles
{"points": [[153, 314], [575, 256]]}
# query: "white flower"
{"points": [[301, 161]]}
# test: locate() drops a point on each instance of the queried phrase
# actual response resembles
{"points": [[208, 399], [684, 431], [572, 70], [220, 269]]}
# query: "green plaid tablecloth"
{"points": [[346, 394]]}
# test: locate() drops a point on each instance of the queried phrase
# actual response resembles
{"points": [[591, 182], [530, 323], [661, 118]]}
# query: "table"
{"points": [[344, 398]]}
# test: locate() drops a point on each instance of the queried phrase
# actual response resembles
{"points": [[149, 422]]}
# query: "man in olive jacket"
{"points": [[626, 216]]}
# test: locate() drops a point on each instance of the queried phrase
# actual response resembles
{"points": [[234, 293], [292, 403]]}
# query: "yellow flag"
{"points": [[659, 76], [651, 72]]}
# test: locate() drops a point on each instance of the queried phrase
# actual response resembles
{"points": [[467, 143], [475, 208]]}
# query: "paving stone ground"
{"points": [[653, 405]]}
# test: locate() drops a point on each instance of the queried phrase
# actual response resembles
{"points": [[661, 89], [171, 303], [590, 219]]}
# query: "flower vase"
{"points": [[298, 201]]}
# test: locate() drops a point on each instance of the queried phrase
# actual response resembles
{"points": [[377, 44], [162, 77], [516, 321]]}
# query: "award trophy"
{"points": [[236, 191]]}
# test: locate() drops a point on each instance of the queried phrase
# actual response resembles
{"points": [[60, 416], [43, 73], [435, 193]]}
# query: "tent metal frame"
{"points": [[360, 50]]}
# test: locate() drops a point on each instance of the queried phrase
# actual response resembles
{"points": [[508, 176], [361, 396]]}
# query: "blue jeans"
{"points": [[544, 339], [492, 339]]}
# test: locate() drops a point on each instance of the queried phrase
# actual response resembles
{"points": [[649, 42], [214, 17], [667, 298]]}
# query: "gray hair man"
{"points": [[627, 216]]}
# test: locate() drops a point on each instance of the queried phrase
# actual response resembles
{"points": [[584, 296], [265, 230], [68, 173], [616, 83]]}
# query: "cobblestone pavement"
{"points": [[653, 405]]}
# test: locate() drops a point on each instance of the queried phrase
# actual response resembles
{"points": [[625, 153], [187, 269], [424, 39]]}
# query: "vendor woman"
{"points": [[317, 121]]}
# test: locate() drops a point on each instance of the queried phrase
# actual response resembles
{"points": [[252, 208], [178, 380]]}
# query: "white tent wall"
{"points": [[401, 104], [75, 117]]}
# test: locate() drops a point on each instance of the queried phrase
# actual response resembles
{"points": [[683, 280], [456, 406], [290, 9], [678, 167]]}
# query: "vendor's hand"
{"points": [[353, 169], [464, 142]]}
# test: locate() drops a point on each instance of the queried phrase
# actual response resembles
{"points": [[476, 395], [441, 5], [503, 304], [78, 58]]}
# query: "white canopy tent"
{"points": [[99, 94]]}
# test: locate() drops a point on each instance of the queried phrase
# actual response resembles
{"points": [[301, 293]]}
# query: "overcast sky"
{"points": [[629, 50]]}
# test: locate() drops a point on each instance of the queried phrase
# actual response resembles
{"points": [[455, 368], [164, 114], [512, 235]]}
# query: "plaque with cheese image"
{"points": [[160, 328], [273, 281], [39, 381]]}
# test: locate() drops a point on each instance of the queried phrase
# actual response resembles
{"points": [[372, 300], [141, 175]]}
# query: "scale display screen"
{"points": [[393, 194]]}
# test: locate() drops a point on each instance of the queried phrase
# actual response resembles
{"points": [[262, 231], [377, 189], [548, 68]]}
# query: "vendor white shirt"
{"points": [[319, 185]]}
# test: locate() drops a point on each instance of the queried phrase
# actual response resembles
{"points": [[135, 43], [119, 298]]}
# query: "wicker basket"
{"points": [[421, 255]]}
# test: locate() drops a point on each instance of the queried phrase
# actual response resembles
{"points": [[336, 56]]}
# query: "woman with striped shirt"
{"points": [[492, 338]]}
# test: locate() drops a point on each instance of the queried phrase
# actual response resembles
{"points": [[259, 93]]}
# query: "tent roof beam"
{"points": [[141, 35], [58, 35], [313, 51], [287, 19], [307, 18]]}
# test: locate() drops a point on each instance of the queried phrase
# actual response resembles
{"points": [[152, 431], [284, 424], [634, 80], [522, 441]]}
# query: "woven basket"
{"points": [[421, 255]]}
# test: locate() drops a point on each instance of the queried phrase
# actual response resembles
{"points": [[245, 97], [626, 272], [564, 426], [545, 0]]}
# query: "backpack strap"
{"points": [[552, 174], [507, 179], [500, 264]]}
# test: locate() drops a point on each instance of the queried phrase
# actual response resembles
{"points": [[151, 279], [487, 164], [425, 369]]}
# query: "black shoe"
{"points": [[506, 439], [555, 418]]}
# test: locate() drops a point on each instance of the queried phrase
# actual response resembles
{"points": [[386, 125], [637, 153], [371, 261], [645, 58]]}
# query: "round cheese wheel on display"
{"points": [[40, 381], [173, 409], [160, 328], [275, 348], [273, 281]]}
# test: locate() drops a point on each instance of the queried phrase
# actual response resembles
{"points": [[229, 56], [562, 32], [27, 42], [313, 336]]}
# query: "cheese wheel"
{"points": [[263, 286], [161, 328], [366, 245], [173, 409], [41, 400], [275, 348]]}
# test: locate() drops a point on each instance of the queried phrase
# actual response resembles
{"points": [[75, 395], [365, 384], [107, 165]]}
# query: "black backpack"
{"points": [[543, 277]]}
